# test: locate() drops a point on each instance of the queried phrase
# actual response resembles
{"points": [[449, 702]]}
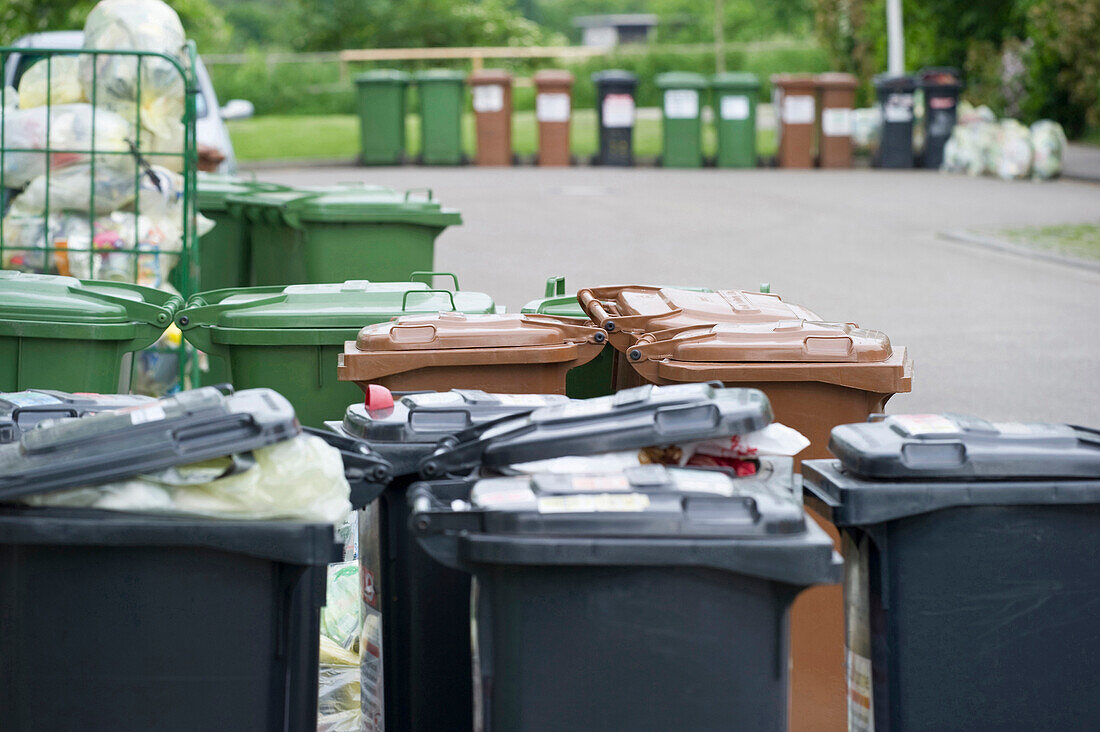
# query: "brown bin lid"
{"points": [[550, 77], [836, 353], [459, 339], [794, 82], [837, 80], [634, 308], [490, 76]]}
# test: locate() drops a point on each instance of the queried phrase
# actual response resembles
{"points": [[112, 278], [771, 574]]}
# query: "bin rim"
{"points": [[434, 76], [894, 82], [680, 80], [383, 76], [614, 76], [366, 205], [489, 76], [736, 80], [551, 77], [837, 80]]}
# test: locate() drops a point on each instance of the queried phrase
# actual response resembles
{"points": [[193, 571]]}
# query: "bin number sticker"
{"points": [[798, 109], [591, 483], [734, 107], [488, 98], [595, 503], [898, 108], [152, 413], [29, 399], [861, 712], [681, 104], [916, 425], [552, 107], [525, 400], [836, 122], [618, 110]]}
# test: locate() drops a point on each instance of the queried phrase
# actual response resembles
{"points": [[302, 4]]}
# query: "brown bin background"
{"points": [[492, 98], [836, 98], [506, 353], [812, 397], [794, 96], [553, 110]]}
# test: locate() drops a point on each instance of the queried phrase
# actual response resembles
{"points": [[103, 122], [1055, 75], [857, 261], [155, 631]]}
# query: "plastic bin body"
{"points": [[290, 339], [895, 99], [341, 233], [381, 98], [442, 102], [966, 595], [23, 410], [553, 112], [794, 96], [62, 333], [615, 116], [120, 621], [682, 120], [491, 91], [940, 87], [735, 118], [836, 97]]}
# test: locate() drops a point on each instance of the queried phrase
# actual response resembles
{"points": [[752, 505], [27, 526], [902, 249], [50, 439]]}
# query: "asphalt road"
{"points": [[991, 333]]}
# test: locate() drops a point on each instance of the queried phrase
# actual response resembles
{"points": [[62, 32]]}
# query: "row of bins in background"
{"points": [[904, 488], [813, 116]]}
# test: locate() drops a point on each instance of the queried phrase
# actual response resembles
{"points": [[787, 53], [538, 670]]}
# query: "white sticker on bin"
{"points": [[552, 107], [488, 98], [836, 122], [734, 107], [681, 104], [860, 694], [594, 503], [618, 110], [924, 424], [28, 398], [151, 413], [525, 400], [798, 109]]}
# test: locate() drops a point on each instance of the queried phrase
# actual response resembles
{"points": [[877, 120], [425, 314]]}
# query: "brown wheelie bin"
{"points": [[836, 97], [553, 110], [793, 95], [817, 375], [506, 353], [492, 99]]}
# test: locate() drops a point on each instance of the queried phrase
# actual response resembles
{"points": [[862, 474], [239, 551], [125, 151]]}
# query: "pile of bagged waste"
{"points": [[983, 145]]}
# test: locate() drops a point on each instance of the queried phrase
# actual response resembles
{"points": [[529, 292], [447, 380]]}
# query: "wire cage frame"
{"points": [[155, 261]]}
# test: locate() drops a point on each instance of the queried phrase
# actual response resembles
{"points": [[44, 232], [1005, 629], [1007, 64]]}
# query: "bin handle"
{"points": [[555, 286], [430, 196], [595, 310], [405, 298], [820, 494], [430, 275]]}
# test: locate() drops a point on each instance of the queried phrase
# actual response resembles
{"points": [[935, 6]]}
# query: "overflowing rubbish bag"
{"points": [[982, 145], [338, 708], [300, 479], [1013, 152], [1048, 144], [137, 25], [69, 131], [52, 81]]}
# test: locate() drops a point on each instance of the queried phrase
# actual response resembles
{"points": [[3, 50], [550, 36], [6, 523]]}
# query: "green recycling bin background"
{"points": [[735, 95], [682, 126], [290, 338], [442, 95], [593, 379], [381, 95], [71, 335], [306, 236]]}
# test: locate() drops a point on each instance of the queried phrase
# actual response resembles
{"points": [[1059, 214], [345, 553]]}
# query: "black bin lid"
{"points": [[952, 447], [22, 410], [190, 427]]}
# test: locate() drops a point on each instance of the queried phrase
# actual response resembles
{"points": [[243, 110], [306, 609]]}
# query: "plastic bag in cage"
{"points": [[70, 188], [69, 130], [1048, 143], [11, 99], [54, 82], [123, 81], [27, 238]]}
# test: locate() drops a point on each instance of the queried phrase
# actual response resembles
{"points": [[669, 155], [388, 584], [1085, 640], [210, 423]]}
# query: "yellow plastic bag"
{"points": [[63, 84]]}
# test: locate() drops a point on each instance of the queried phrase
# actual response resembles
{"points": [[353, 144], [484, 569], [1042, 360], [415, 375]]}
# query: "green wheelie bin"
{"points": [[381, 95], [71, 335], [290, 338], [442, 102], [683, 119], [334, 234], [735, 94]]}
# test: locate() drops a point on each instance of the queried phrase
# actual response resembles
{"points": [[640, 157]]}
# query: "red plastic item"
{"points": [[378, 397]]}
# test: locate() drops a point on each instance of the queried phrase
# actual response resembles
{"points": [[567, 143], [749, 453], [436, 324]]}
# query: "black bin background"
{"points": [[616, 143], [895, 95], [126, 622], [941, 87]]}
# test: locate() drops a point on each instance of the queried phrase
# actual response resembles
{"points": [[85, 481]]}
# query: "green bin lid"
{"points": [[315, 314], [565, 306], [739, 80], [680, 80], [53, 306], [382, 76], [439, 75], [362, 204], [213, 189]]}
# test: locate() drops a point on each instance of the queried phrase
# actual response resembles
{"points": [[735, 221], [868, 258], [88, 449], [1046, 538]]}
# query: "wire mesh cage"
{"points": [[98, 163]]}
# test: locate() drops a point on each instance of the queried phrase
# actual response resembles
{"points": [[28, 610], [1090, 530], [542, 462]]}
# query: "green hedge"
{"points": [[316, 88]]}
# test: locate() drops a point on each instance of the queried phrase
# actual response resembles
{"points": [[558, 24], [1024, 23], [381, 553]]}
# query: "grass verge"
{"points": [[1071, 240]]}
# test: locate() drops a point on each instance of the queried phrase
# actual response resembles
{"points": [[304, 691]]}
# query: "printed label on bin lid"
{"points": [[618, 111], [552, 107], [734, 107], [653, 308], [959, 447], [594, 503], [681, 104]]}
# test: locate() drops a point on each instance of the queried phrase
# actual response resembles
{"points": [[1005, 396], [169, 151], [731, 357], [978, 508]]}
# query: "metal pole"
{"points": [[895, 38], [719, 37]]}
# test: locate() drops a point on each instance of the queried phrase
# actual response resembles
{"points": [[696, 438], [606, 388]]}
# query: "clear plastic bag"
{"points": [[340, 616], [298, 479], [1014, 154], [70, 129], [1048, 143], [70, 188], [137, 25], [337, 689], [26, 238], [53, 83]]}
